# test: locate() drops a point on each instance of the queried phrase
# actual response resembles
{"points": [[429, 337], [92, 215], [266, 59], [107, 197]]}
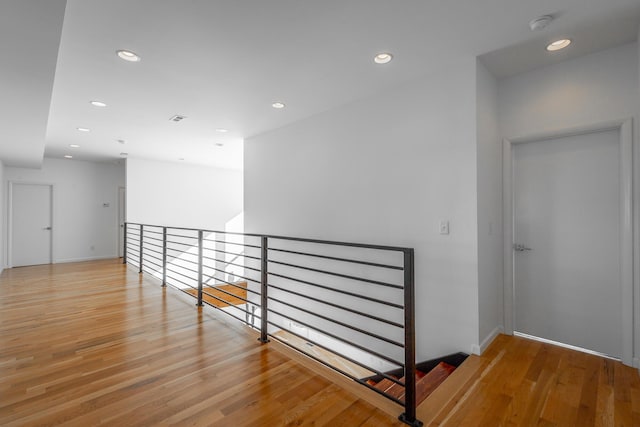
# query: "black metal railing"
{"points": [[355, 301]]}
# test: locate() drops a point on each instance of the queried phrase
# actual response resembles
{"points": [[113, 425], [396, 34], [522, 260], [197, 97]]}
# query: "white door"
{"points": [[122, 198], [30, 224], [566, 204]]}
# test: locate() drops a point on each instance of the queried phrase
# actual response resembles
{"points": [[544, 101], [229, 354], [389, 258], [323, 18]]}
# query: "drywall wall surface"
{"points": [[385, 170], [85, 210], [593, 88], [490, 257], [182, 195]]}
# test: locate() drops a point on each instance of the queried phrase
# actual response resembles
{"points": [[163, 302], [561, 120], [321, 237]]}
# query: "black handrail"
{"points": [[282, 279]]}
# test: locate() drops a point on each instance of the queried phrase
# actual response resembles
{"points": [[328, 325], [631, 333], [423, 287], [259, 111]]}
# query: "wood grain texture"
{"points": [[93, 343], [519, 382]]}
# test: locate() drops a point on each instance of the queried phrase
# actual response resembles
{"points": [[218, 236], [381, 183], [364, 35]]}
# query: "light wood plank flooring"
{"points": [[90, 343], [519, 382]]}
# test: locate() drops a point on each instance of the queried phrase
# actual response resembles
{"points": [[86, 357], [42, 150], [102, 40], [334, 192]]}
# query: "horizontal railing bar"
{"points": [[183, 236], [353, 261], [183, 251], [181, 259], [370, 316], [185, 275], [135, 240], [180, 281], [232, 243], [242, 277], [151, 244], [232, 315], [336, 243], [227, 302], [147, 269], [183, 244], [152, 251], [133, 249], [327, 364], [233, 253], [152, 231], [295, 239], [337, 322], [147, 254], [344, 340], [148, 258], [151, 238], [390, 304], [344, 276], [228, 283], [230, 263]]}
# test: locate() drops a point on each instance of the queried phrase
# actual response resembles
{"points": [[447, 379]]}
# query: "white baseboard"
{"points": [[93, 258], [636, 362], [479, 349]]}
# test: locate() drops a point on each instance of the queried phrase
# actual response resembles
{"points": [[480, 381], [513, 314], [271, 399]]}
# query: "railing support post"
{"points": [[164, 257], [409, 415], [124, 243], [264, 262], [199, 304], [141, 247]]}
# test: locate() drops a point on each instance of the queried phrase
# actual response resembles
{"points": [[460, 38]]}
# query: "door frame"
{"points": [[624, 126], [10, 218], [121, 189]]}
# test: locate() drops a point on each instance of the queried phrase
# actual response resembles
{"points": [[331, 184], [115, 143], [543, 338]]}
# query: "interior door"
{"points": [[30, 224], [566, 204]]}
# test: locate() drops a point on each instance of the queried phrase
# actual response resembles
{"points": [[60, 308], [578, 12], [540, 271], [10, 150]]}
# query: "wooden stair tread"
{"points": [[427, 384]]}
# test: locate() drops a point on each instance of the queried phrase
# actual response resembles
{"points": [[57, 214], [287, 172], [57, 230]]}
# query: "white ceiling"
{"points": [[222, 64]]}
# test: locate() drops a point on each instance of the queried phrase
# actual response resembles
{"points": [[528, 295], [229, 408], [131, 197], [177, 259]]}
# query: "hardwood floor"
{"points": [[93, 344], [90, 343], [519, 382]]}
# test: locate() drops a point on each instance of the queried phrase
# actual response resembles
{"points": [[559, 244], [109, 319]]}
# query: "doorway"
{"points": [[568, 239], [30, 224], [122, 209]]}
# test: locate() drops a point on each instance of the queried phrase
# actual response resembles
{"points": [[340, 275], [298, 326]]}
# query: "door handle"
{"points": [[520, 248], [47, 228]]}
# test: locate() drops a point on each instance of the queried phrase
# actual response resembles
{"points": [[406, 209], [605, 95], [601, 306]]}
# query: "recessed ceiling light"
{"points": [[121, 141], [558, 44], [219, 144], [74, 146], [67, 156], [98, 104], [382, 58], [278, 105], [181, 158], [127, 55], [221, 130], [84, 129], [124, 154]]}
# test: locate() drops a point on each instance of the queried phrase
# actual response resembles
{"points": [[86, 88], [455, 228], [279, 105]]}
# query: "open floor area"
{"points": [[94, 344]]}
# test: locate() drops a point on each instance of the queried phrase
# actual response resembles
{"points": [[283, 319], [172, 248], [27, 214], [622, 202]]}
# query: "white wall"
{"points": [[490, 256], [182, 195], [83, 228], [588, 90], [386, 170]]}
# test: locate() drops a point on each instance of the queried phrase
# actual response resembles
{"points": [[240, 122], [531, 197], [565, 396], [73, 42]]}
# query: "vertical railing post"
{"points": [[409, 415], [164, 257], [141, 247], [124, 243], [264, 262], [199, 268]]}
